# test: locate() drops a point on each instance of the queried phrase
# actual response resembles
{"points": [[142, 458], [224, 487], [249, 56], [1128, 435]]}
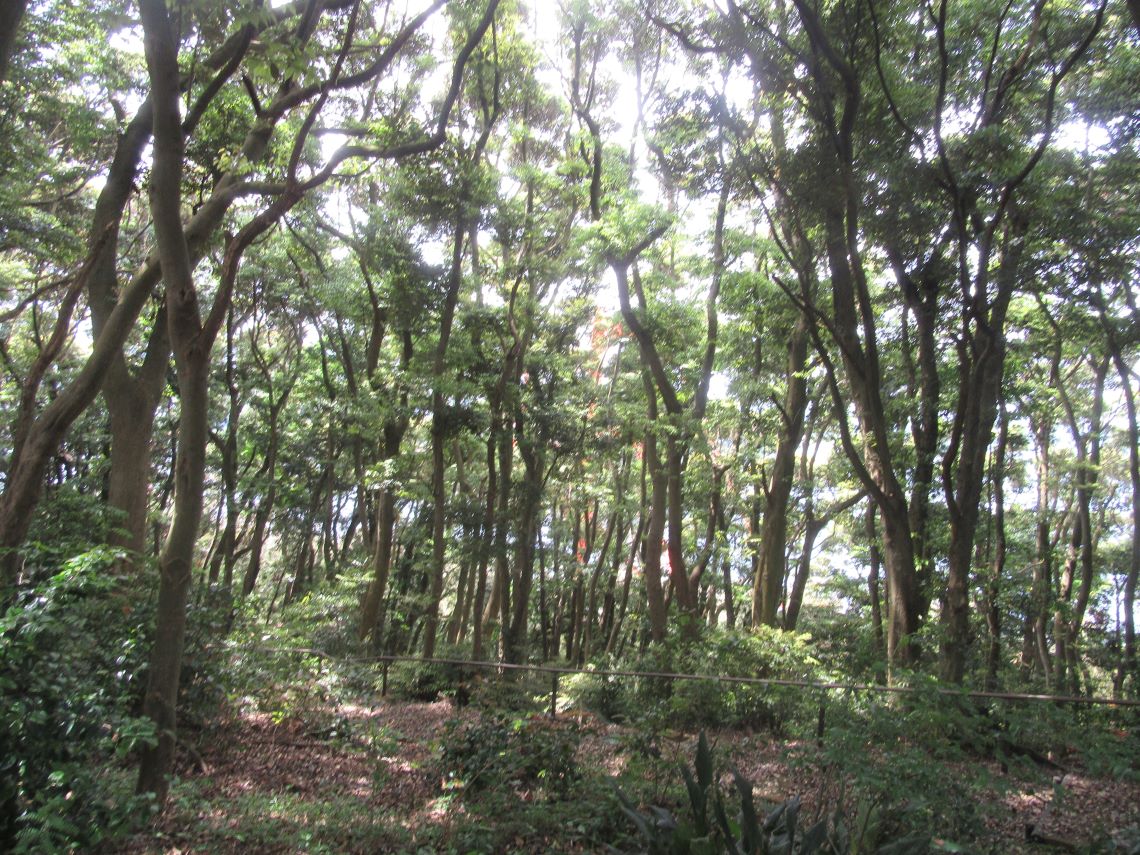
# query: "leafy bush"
{"points": [[764, 653], [423, 681], [71, 655], [908, 761], [521, 753], [205, 660], [601, 693], [520, 692], [708, 828]]}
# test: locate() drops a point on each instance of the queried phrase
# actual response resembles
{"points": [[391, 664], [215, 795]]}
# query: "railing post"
{"points": [[554, 694]]}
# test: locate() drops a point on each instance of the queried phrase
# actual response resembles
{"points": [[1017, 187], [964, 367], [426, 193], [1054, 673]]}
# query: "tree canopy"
{"points": [[567, 332]]}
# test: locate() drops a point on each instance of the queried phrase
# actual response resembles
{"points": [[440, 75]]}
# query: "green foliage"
{"points": [[514, 753], [423, 681], [278, 667], [260, 821], [895, 755], [71, 656], [708, 829], [71, 522], [1098, 737], [764, 653]]}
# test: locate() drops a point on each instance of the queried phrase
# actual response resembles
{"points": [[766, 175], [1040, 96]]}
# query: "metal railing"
{"points": [[557, 671]]}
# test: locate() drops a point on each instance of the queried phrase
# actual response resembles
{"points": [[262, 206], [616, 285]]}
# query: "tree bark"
{"points": [[1128, 659], [192, 361], [1043, 549], [812, 528], [439, 438], [875, 562], [371, 615], [997, 559], [269, 500], [11, 13], [981, 362], [768, 583]]}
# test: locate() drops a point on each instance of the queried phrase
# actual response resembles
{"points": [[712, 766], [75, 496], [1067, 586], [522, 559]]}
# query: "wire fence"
{"points": [[557, 671]]}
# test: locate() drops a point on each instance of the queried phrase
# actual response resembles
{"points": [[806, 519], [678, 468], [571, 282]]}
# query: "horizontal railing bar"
{"points": [[723, 678]]}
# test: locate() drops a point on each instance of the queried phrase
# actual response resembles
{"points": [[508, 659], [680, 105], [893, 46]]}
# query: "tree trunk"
{"points": [[438, 441], [485, 539], [768, 583], [515, 645], [812, 528], [981, 363], [997, 561], [875, 562], [132, 410], [1043, 557], [1128, 661], [176, 562], [627, 580], [1083, 546], [655, 531], [192, 359], [268, 501]]}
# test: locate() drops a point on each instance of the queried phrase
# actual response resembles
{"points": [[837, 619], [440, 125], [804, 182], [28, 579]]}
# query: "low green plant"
{"points": [[520, 753], [908, 762], [201, 819], [708, 828]]}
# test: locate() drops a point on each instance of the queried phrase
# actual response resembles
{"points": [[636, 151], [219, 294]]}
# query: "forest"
{"points": [[459, 425]]}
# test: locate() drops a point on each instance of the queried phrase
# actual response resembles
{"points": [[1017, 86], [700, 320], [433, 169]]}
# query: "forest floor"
{"points": [[371, 782]]}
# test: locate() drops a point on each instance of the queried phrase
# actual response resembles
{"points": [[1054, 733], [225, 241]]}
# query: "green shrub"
{"points": [[423, 681], [763, 653], [601, 693], [707, 828], [71, 659], [205, 659], [520, 753], [894, 754]]}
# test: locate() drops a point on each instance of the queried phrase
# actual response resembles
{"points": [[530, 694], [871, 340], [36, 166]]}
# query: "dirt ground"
{"points": [[1054, 810]]}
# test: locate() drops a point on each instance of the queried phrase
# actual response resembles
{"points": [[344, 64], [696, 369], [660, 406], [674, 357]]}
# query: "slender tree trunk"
{"points": [[438, 441], [1128, 660], [543, 607], [268, 502], [623, 602], [1043, 548], [812, 528], [485, 540], [224, 559], [500, 605], [1082, 547], [175, 565], [516, 641], [772, 565], [655, 531], [923, 299], [997, 562], [981, 362], [875, 563], [132, 422]]}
